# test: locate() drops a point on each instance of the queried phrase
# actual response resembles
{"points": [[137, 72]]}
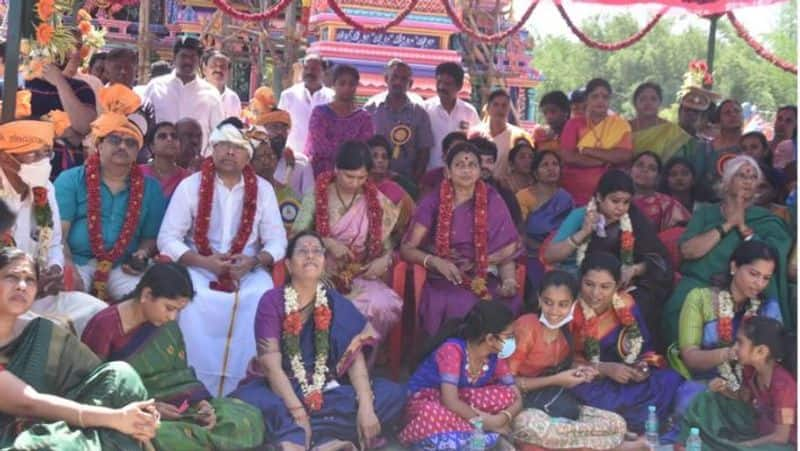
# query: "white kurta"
{"points": [[298, 102], [208, 325], [300, 177], [72, 309], [231, 104], [173, 100], [462, 118]]}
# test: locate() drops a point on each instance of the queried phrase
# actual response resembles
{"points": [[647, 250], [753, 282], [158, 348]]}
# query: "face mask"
{"points": [[509, 346], [35, 174], [277, 142], [558, 325]]}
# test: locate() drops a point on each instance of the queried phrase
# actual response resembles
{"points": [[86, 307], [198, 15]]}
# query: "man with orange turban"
{"points": [[293, 168], [26, 147], [111, 212]]}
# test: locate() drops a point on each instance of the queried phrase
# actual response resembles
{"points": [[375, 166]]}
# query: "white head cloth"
{"points": [[229, 133]]}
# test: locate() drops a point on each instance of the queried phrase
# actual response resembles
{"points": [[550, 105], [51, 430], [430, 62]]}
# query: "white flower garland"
{"points": [[320, 363], [732, 374], [637, 343], [624, 225]]}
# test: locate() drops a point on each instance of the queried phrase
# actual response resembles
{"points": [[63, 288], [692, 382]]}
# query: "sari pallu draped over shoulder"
{"points": [[53, 361], [664, 139], [158, 354]]}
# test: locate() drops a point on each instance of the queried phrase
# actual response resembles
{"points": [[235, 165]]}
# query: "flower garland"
{"points": [[610, 47], [106, 259], [725, 313], [292, 326], [760, 50], [43, 216], [492, 38], [53, 41], [627, 239], [252, 17], [623, 309], [480, 232], [224, 281], [322, 219], [375, 28]]}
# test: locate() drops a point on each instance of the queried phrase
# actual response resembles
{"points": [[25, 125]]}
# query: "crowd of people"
{"points": [[180, 271]]}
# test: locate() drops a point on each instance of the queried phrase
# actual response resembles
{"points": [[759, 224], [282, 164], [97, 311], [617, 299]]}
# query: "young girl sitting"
{"points": [[762, 413], [463, 377]]}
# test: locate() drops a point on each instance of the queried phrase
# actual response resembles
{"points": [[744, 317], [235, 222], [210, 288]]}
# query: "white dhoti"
{"points": [[218, 350], [119, 284], [72, 309]]}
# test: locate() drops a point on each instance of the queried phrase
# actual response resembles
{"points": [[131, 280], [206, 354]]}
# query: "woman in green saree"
{"points": [[142, 331], [715, 231], [651, 132], [55, 393]]}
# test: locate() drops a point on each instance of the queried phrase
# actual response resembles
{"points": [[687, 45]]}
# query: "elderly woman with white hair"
{"points": [[715, 230], [223, 223]]}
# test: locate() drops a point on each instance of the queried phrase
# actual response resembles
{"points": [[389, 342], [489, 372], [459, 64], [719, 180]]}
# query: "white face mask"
{"points": [[560, 324], [35, 174]]}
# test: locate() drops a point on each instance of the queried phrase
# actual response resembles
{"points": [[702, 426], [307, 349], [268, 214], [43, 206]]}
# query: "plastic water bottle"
{"points": [[693, 443], [477, 441], [651, 428]]}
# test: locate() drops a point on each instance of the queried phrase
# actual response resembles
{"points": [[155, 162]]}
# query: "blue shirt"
{"points": [[72, 197]]}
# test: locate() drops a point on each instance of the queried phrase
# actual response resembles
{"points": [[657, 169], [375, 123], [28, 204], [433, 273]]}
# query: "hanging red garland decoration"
{"points": [[609, 47], [252, 17], [372, 28], [106, 259], [758, 48], [493, 38], [444, 223], [224, 282]]}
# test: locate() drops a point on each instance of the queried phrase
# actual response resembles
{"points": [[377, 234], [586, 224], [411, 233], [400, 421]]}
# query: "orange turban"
{"points": [[119, 103], [26, 136], [23, 108], [263, 110]]}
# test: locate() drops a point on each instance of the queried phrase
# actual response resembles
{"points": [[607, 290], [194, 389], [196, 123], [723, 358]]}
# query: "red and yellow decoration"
{"points": [[43, 217], [479, 283], [106, 258], [207, 174]]}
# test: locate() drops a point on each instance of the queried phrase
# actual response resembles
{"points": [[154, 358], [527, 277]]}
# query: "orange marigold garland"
{"points": [[106, 258], [587, 321], [374, 244], [224, 282], [477, 284]]}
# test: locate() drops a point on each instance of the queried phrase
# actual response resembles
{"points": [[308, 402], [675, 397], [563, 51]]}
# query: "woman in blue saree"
{"points": [[544, 206], [310, 378], [610, 333]]}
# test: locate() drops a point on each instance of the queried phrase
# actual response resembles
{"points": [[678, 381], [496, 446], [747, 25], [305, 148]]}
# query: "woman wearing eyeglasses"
{"points": [[163, 166], [110, 211]]}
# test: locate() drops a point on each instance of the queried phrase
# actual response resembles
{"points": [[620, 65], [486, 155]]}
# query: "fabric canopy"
{"points": [[700, 7]]}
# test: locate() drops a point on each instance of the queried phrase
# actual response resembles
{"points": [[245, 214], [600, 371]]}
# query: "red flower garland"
{"points": [[106, 259], [480, 234], [493, 38], [252, 17], [627, 42], [224, 282], [372, 28], [758, 48], [322, 217]]}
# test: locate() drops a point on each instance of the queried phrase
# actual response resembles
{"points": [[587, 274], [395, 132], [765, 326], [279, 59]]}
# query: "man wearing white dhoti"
{"points": [[223, 223], [26, 148]]}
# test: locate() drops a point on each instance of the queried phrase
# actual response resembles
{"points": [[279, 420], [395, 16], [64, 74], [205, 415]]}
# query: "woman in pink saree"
{"points": [[355, 221]]}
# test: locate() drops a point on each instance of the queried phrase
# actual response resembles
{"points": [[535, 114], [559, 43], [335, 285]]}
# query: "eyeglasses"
{"points": [[164, 135], [310, 252], [116, 140], [33, 157]]}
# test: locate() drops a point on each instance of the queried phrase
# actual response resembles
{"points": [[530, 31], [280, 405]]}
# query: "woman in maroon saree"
{"points": [[465, 238]]}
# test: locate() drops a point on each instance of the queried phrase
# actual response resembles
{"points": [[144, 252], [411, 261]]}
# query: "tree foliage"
{"points": [[663, 56]]}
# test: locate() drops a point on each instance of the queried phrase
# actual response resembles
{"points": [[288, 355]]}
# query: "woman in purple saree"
{"points": [[463, 235]]}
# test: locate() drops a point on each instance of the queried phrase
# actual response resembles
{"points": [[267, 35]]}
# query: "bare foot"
{"points": [[640, 444], [336, 445], [289, 446]]}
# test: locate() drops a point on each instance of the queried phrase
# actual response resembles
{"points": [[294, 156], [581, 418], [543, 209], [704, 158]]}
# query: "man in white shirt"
{"points": [[203, 229], [301, 98], [183, 93], [446, 111], [216, 70]]}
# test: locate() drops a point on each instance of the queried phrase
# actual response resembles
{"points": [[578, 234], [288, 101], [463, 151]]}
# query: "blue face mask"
{"points": [[509, 346]]}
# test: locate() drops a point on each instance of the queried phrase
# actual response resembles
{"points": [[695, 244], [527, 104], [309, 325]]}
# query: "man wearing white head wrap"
{"points": [[206, 229]]}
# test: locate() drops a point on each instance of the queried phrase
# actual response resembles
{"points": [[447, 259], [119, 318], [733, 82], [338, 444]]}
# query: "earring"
{"points": [[733, 273]]}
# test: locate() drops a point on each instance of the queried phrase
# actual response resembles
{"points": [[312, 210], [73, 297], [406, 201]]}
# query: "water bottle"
{"points": [[477, 441], [693, 443], [651, 428]]}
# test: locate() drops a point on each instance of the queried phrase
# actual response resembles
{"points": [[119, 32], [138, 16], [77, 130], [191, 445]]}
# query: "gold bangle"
{"points": [[507, 415]]}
